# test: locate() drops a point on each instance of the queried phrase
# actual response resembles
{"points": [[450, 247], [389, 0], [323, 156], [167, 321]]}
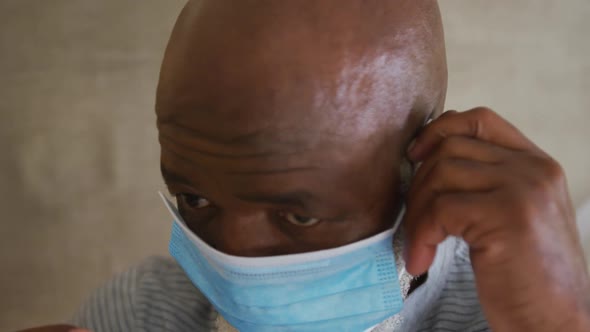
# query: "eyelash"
{"points": [[286, 216], [199, 200]]}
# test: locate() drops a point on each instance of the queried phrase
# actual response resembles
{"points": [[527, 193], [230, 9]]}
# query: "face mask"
{"points": [[349, 288]]}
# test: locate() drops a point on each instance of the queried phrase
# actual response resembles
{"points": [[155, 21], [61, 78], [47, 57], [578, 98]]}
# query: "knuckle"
{"points": [[453, 213], [482, 117], [441, 169], [547, 176], [538, 194], [484, 113], [552, 170], [524, 209], [448, 113], [450, 145], [539, 186]]}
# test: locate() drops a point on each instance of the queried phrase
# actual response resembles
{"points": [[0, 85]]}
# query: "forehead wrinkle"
{"points": [[250, 164], [171, 176], [266, 140], [300, 198], [167, 138], [371, 78], [173, 119], [275, 171]]}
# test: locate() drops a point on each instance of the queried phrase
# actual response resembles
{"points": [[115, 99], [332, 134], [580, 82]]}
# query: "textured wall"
{"points": [[79, 163], [79, 154]]}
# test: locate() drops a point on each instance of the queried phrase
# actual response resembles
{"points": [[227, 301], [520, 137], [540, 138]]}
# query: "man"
{"points": [[285, 128]]}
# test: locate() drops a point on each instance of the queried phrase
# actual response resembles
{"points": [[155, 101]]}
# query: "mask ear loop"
{"points": [[402, 273], [399, 219], [396, 225], [408, 169], [395, 228]]}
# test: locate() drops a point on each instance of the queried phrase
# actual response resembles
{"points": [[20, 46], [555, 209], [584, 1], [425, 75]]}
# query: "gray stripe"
{"points": [[127, 314], [131, 288], [187, 296], [164, 317], [451, 311], [107, 321], [449, 320], [453, 301], [183, 309], [116, 311], [463, 282], [122, 305], [468, 273], [98, 313]]}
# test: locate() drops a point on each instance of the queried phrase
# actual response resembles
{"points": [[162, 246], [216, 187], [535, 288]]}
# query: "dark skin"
{"points": [[483, 180], [283, 129], [281, 166]]}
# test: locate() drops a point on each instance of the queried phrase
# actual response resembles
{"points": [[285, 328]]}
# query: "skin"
{"points": [[296, 102], [263, 98], [483, 180]]}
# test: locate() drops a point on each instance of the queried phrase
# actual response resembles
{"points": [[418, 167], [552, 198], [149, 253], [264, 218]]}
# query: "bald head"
{"points": [[257, 88], [347, 66]]}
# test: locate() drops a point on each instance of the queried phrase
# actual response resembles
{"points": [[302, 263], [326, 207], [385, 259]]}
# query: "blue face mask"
{"points": [[349, 288]]}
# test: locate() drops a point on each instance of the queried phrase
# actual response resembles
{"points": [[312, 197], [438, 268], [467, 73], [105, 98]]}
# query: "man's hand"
{"points": [[482, 180]]}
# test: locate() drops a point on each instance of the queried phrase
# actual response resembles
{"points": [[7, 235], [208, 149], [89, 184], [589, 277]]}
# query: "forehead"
{"points": [[232, 80], [258, 116], [276, 84], [322, 181], [267, 151]]}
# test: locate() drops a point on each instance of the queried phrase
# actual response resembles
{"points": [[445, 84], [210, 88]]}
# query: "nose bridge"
{"points": [[247, 232]]}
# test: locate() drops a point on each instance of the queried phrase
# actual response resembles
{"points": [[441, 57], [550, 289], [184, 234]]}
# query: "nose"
{"points": [[247, 233]]}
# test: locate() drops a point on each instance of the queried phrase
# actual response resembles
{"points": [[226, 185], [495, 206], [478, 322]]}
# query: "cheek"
{"points": [[372, 196], [198, 222], [374, 211], [332, 234]]}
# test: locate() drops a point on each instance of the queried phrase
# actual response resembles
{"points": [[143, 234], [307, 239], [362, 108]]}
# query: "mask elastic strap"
{"points": [[399, 219], [401, 274], [397, 224]]}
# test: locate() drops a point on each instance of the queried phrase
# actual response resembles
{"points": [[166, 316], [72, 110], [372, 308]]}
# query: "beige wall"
{"points": [[79, 155]]}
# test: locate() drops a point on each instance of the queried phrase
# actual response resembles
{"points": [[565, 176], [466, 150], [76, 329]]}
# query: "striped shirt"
{"points": [[157, 296]]}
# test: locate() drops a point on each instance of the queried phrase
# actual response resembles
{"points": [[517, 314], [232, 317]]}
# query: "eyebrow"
{"points": [[299, 198], [171, 176], [274, 171]]}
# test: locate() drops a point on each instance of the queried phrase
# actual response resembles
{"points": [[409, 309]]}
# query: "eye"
{"points": [[298, 220], [194, 201]]}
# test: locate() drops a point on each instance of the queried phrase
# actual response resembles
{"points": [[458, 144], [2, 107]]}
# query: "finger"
{"points": [[448, 176], [458, 214], [480, 123], [451, 175], [461, 147]]}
